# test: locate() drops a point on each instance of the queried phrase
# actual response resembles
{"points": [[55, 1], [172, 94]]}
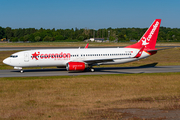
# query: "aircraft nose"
{"points": [[6, 61]]}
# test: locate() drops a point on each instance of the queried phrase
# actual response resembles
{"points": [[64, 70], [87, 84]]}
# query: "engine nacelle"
{"points": [[76, 66]]}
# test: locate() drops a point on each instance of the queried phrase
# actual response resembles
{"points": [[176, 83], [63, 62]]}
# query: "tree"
{"points": [[81, 38], [16, 32], [47, 38], [111, 38], [35, 35], [2, 33], [8, 32], [14, 39], [121, 37], [37, 38], [31, 38], [21, 39], [26, 37], [59, 37]]}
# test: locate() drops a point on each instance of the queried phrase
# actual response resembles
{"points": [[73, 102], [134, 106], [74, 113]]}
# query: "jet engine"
{"points": [[76, 66]]}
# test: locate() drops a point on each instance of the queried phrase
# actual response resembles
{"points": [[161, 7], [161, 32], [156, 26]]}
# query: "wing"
{"points": [[93, 61], [153, 51], [99, 60]]}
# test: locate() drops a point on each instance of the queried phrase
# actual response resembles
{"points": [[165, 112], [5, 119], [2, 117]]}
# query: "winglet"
{"points": [[140, 52], [87, 45]]}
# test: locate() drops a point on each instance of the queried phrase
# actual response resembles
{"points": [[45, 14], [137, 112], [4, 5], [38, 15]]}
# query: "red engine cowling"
{"points": [[76, 66]]}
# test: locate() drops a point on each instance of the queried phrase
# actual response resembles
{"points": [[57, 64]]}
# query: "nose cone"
{"points": [[6, 61]]}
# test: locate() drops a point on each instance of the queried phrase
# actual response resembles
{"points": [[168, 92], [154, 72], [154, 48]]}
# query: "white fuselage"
{"points": [[60, 57]]}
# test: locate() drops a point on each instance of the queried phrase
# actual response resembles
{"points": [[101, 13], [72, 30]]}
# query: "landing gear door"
{"points": [[26, 57]]}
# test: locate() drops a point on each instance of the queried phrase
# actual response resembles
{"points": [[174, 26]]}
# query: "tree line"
{"points": [[49, 35]]}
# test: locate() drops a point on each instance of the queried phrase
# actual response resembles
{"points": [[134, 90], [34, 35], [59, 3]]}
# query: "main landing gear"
{"points": [[21, 71], [90, 69]]}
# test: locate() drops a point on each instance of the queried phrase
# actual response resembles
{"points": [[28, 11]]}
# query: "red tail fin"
{"points": [[149, 38]]}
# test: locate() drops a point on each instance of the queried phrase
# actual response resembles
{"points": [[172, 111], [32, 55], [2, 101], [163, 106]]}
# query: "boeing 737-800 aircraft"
{"points": [[81, 59]]}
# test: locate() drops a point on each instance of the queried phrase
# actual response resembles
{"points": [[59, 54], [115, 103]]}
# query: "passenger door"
{"points": [[26, 57]]}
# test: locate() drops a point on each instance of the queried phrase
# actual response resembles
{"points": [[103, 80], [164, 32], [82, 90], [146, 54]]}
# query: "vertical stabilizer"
{"points": [[149, 38]]}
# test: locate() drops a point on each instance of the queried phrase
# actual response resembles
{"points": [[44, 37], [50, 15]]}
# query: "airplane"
{"points": [[84, 59]]}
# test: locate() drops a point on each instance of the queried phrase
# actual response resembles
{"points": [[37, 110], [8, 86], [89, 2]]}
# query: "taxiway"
{"points": [[98, 71]]}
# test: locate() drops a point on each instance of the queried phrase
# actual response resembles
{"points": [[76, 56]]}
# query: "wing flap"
{"points": [[104, 60], [112, 59]]}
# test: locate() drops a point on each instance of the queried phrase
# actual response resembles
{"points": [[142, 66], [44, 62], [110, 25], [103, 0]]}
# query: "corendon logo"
{"points": [[35, 55], [145, 41], [51, 55]]}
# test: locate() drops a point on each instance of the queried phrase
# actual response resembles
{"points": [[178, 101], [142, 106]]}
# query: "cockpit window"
{"points": [[14, 56]]}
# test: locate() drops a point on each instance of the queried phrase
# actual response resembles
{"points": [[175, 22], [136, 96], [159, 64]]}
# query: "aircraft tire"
{"points": [[21, 71]]}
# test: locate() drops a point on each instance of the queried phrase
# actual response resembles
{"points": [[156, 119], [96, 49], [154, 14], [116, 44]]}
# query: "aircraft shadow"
{"points": [[41, 70], [101, 69], [110, 69], [142, 66]]}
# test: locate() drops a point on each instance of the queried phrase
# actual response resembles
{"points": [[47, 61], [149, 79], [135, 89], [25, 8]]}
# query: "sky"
{"points": [[90, 14]]}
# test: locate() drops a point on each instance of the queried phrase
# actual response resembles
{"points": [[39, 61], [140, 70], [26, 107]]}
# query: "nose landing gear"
{"points": [[19, 68]]}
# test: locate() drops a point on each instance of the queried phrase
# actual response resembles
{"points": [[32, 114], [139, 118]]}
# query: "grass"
{"points": [[89, 97], [80, 97]]}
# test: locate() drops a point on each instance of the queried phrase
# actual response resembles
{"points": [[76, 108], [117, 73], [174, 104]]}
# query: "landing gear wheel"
{"points": [[21, 71], [92, 69]]}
